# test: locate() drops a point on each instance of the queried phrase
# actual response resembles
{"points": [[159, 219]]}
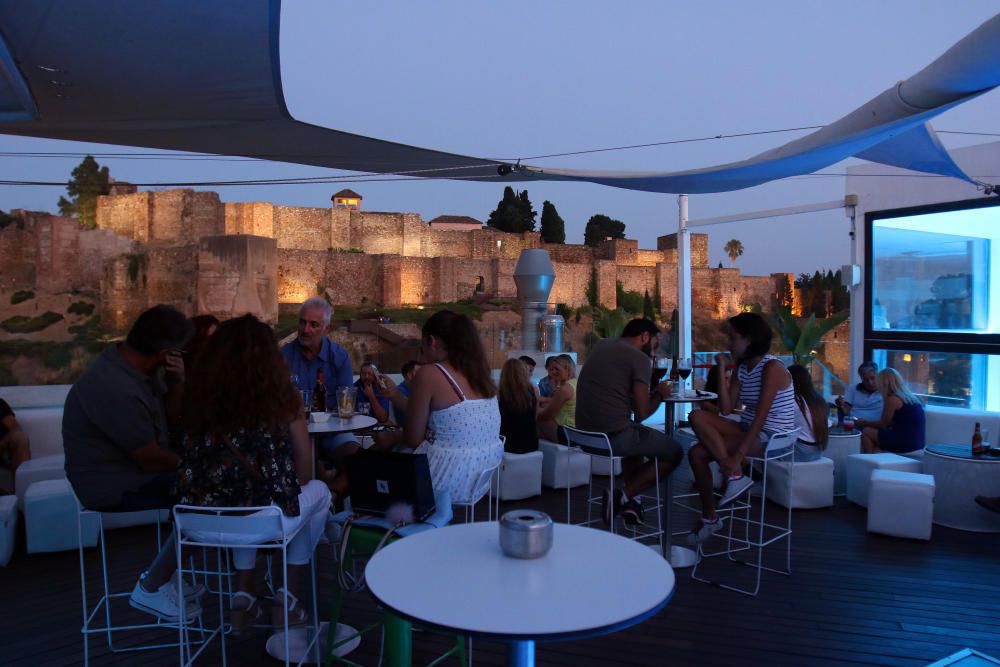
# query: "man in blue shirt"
{"points": [[311, 352], [864, 400], [369, 402]]}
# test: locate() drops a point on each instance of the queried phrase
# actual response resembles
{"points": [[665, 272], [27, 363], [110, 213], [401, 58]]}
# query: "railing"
{"points": [[826, 381]]}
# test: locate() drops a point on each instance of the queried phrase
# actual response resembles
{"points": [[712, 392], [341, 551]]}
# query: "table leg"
{"points": [[677, 556], [398, 641], [521, 653]]}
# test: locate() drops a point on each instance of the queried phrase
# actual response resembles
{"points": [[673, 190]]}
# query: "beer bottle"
{"points": [[977, 442], [319, 393], [674, 373]]}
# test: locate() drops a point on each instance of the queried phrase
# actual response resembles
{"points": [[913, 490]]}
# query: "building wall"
{"points": [[237, 274]]}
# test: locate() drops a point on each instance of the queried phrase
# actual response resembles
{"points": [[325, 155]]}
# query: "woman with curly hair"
{"points": [[246, 444]]}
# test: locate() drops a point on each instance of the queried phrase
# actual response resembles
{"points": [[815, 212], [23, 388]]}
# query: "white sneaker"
{"points": [[704, 531], [735, 489], [193, 591], [163, 603]]}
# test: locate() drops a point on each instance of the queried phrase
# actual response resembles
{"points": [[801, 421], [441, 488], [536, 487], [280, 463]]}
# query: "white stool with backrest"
{"points": [[489, 479], [901, 504], [90, 522], [520, 476], [227, 527], [598, 447], [757, 533], [861, 466]]}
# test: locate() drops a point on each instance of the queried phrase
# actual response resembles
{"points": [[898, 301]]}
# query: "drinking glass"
{"points": [[661, 367], [346, 397], [684, 371], [848, 423]]}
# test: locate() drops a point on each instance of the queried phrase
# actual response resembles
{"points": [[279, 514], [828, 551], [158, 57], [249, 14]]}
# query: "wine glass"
{"points": [[684, 371], [661, 366]]}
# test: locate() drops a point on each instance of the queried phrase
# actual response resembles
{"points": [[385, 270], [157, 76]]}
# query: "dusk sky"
{"points": [[520, 80]]}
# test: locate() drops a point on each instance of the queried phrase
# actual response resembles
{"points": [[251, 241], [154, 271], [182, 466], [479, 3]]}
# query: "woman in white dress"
{"points": [[452, 414]]}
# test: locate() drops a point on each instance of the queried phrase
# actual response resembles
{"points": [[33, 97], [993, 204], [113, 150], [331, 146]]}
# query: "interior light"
{"points": [[907, 358]]}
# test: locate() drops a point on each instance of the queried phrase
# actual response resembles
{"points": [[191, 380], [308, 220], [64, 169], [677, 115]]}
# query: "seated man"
{"points": [[612, 388], [863, 400], [115, 434], [545, 384], [14, 446], [369, 403], [313, 351]]}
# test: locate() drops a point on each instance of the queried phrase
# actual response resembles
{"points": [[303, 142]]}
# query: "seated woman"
{"points": [[716, 383], [901, 427], [518, 407], [452, 414], [764, 387], [560, 410], [246, 444], [810, 416]]}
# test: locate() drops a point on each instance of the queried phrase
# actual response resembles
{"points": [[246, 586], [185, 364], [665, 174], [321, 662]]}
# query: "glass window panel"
{"points": [[951, 379], [926, 279]]}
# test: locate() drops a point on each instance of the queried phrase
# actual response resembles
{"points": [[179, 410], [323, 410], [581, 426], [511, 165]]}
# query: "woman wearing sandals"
{"points": [[763, 385], [246, 445]]}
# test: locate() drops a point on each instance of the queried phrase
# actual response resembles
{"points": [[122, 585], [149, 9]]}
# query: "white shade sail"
{"points": [[204, 76]]}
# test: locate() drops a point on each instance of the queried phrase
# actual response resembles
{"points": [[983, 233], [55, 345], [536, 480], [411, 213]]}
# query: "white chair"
{"points": [[757, 532], [901, 504], [861, 466], [521, 476], [811, 488], [87, 521], [598, 447], [226, 527], [562, 466], [488, 480]]}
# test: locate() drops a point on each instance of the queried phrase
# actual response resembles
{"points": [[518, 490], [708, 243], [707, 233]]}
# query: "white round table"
{"points": [[337, 425], [839, 445], [958, 478], [457, 579]]}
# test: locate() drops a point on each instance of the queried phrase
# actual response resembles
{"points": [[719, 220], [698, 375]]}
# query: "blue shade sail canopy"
{"points": [[204, 76]]}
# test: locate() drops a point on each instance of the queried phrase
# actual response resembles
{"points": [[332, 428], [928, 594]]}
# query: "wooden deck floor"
{"points": [[853, 599]]}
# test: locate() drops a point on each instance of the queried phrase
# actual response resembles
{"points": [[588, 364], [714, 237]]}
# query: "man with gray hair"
{"points": [[863, 400], [312, 352]]}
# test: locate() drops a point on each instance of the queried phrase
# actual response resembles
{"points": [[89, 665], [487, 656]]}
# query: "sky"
{"points": [[525, 79]]}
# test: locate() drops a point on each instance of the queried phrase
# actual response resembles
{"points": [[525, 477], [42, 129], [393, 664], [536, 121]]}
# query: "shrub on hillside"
{"points": [[80, 308], [23, 295], [22, 324]]}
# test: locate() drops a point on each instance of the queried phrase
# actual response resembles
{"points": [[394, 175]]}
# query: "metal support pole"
{"points": [[683, 279]]}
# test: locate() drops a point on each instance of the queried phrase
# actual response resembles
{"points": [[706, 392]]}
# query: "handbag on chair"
{"points": [[380, 482]]}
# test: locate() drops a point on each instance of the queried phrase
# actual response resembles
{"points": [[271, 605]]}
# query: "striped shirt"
{"points": [[781, 417]]}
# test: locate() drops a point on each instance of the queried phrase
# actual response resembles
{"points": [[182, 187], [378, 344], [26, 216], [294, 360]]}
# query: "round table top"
{"points": [[841, 432], [691, 396], [456, 578], [961, 452], [338, 425]]}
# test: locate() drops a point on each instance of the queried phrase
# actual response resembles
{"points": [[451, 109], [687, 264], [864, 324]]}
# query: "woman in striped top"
{"points": [[764, 387]]}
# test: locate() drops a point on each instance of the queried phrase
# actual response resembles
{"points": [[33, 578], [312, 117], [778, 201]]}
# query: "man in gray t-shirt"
{"points": [[115, 437], [613, 387]]}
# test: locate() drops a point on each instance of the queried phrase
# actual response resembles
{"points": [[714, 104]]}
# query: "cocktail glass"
{"points": [[346, 397]]}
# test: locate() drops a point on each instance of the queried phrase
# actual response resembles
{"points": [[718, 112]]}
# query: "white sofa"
{"points": [[955, 426]]}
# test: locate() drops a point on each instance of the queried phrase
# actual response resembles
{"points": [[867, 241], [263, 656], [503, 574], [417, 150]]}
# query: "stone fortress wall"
{"points": [[191, 250]]}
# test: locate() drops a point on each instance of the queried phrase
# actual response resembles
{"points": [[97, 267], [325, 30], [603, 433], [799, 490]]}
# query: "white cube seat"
{"points": [[558, 469], [8, 528], [520, 475], [861, 466], [901, 504], [50, 512], [811, 483], [38, 469]]}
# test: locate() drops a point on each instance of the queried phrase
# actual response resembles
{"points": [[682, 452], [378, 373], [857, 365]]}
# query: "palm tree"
{"points": [[733, 248]]}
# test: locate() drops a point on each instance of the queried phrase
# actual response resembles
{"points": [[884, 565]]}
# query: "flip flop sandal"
{"points": [[243, 615], [296, 614]]}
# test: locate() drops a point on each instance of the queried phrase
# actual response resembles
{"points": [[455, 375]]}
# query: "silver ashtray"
{"points": [[525, 533]]}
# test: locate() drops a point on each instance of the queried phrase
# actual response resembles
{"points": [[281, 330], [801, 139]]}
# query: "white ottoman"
{"points": [[811, 483], [520, 475], [8, 528], [50, 518], [558, 468], [861, 466], [901, 504], [38, 470]]}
